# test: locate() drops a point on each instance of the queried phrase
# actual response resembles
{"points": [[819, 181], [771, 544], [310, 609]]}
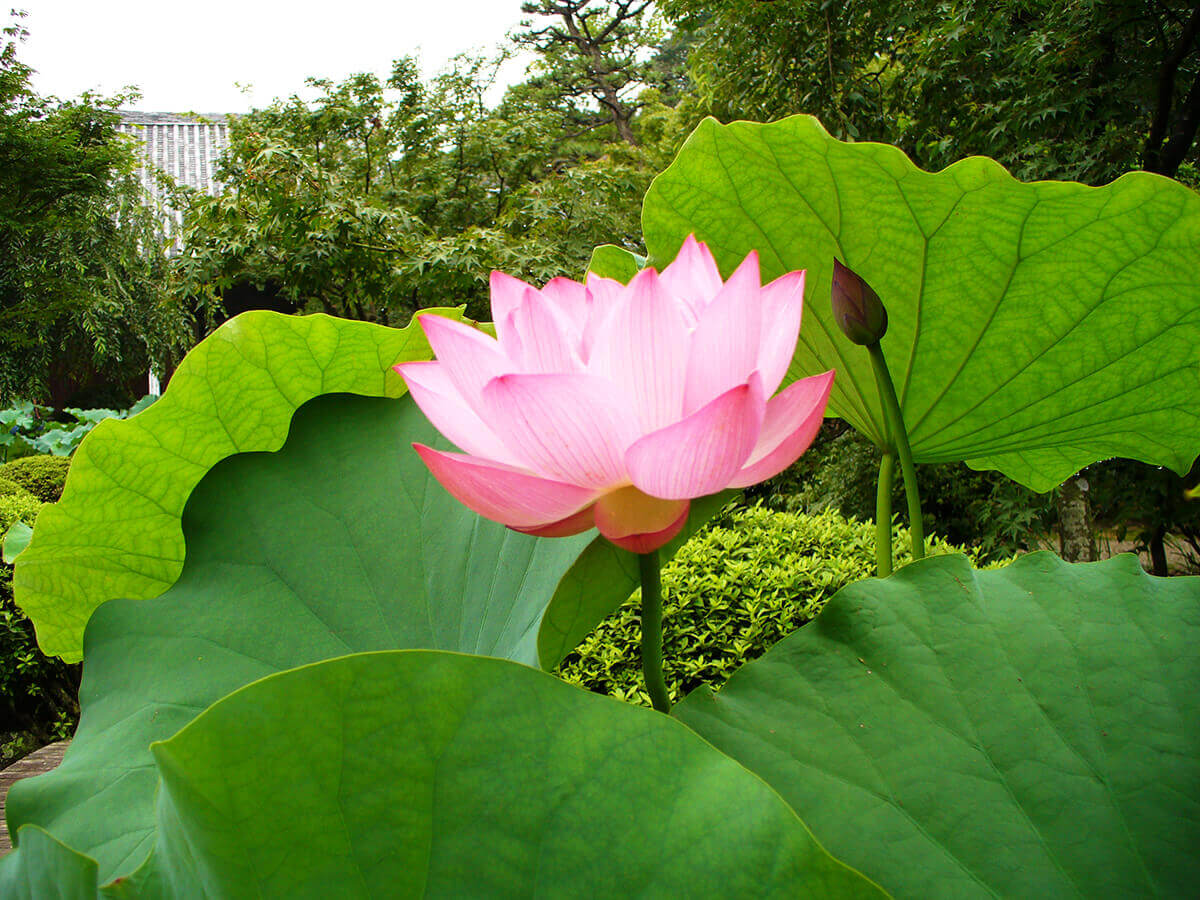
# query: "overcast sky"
{"points": [[187, 55]]}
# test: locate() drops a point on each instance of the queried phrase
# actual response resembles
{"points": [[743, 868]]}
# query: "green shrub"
{"points": [[20, 506], [730, 593], [983, 509], [11, 488], [38, 694], [42, 476]]}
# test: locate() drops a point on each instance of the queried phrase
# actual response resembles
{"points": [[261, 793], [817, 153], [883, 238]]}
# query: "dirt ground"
{"points": [[1180, 557]]}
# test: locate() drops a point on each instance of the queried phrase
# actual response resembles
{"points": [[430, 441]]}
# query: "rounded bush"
{"points": [[730, 593], [42, 476]]}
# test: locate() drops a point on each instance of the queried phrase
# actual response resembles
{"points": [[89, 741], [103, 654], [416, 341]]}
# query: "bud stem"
{"points": [[883, 514], [899, 437], [652, 667]]}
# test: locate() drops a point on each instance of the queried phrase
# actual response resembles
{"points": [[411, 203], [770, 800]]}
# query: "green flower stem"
{"points": [[899, 436], [883, 514], [652, 668]]}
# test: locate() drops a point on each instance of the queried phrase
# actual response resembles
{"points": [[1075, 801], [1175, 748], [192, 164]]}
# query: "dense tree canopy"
{"points": [[1074, 89], [82, 284], [384, 197], [387, 195]]}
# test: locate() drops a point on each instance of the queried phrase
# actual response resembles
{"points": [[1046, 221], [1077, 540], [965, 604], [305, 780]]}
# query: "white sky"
{"points": [[187, 55]]}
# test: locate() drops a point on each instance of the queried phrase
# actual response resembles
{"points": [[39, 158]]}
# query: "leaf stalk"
{"points": [[652, 665], [883, 514], [899, 440]]}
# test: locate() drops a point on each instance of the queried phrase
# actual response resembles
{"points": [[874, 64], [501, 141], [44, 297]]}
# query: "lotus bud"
{"points": [[857, 308]]}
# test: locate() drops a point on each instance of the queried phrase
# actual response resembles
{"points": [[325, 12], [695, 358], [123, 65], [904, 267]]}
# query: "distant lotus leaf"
{"points": [[427, 774], [116, 532], [612, 261], [16, 539], [1033, 328], [1032, 731], [338, 543]]}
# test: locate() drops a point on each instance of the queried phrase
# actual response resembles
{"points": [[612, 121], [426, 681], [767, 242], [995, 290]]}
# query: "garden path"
{"points": [[34, 764]]}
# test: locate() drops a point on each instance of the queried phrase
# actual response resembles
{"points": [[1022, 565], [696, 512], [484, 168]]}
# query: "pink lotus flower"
{"points": [[607, 405]]}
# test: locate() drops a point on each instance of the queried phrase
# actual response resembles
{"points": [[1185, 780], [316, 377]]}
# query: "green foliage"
{"points": [[984, 510], [19, 423], [30, 428], [731, 592], [142, 470], [592, 59], [82, 282], [42, 476], [1151, 506], [37, 694], [378, 199], [1019, 314], [1023, 732], [512, 818], [15, 540], [8, 488], [414, 568], [502, 779], [1071, 89], [17, 506]]}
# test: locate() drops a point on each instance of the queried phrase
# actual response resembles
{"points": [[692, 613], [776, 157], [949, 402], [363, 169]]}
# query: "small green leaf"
{"points": [[16, 539], [612, 261], [1032, 731]]}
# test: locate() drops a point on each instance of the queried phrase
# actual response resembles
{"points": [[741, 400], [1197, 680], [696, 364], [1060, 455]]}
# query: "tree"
{"points": [[82, 267], [1069, 89], [380, 198], [595, 51]]}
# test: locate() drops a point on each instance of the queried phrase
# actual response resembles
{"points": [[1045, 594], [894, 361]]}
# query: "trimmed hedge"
{"points": [[730, 593], [42, 476], [984, 509]]}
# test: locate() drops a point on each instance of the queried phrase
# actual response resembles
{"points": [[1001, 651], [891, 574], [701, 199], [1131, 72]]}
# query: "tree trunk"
{"points": [[1074, 522], [1159, 155], [1158, 551]]}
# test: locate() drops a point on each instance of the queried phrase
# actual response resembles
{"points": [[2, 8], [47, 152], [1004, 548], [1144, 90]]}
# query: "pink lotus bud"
{"points": [[857, 308], [612, 406]]}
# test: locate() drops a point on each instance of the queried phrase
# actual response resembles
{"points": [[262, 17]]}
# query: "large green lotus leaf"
{"points": [[1033, 328], [338, 543], [432, 774], [1032, 731], [116, 531], [46, 868]]}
